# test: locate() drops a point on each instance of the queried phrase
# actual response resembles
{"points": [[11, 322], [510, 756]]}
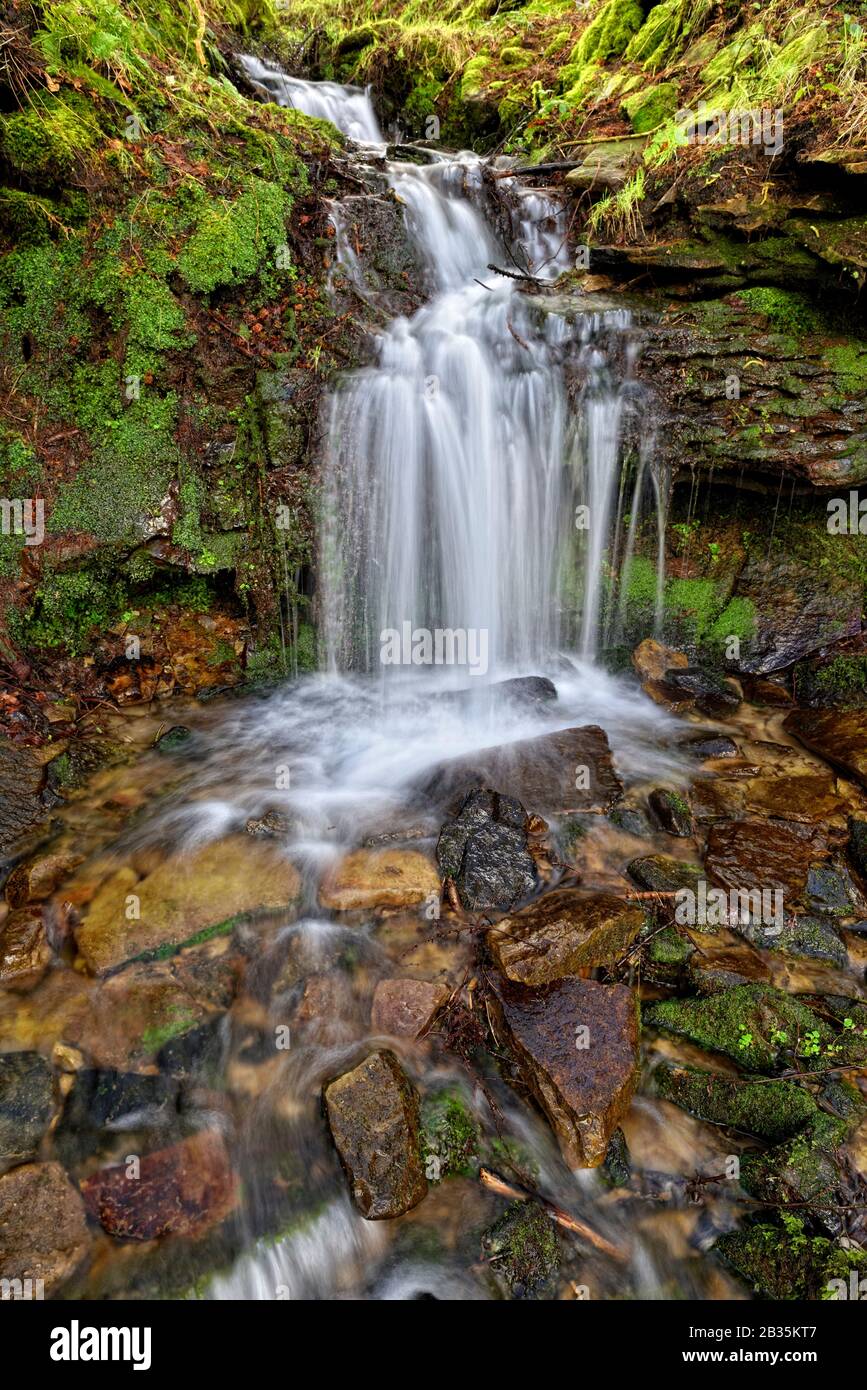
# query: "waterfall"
{"points": [[456, 462]]}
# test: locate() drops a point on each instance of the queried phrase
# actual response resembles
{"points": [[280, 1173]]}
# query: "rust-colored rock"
{"points": [[43, 1231], [371, 878], [576, 1042], [761, 855], [652, 659], [373, 1115], [839, 736], [563, 932], [184, 1191], [404, 1008], [37, 879], [570, 770], [24, 951]]}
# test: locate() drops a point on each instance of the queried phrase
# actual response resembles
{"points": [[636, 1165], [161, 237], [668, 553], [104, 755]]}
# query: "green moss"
{"points": [[786, 310], [772, 1110], [608, 35], [449, 1136], [47, 141], [473, 76], [233, 237], [783, 1262], [738, 619], [523, 1248], [67, 608], [842, 681], [649, 107], [800, 1171], [754, 1025]]}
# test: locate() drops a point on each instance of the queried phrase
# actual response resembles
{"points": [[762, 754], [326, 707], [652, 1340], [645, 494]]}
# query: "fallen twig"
{"points": [[495, 1183]]}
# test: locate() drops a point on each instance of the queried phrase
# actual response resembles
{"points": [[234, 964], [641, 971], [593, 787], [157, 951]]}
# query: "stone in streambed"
{"points": [[667, 956], [755, 1025], [712, 746], [523, 1249], [772, 1110], [26, 1104], [769, 1261], [563, 932], [554, 774], [712, 694], [43, 1231], [660, 873], [25, 954], [37, 879], [373, 1115], [576, 1044], [404, 1008], [371, 879], [839, 736], [651, 659], [111, 1101], [757, 855], [484, 850], [672, 812], [185, 896], [800, 935], [184, 1190], [801, 1171], [714, 969]]}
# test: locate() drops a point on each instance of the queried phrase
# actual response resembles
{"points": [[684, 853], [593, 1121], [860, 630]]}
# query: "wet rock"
{"points": [[534, 691], [187, 896], [771, 1262], [21, 782], [802, 1171], [652, 659], [755, 1025], [26, 1104], [272, 824], [404, 1008], [449, 1136], [758, 855], [672, 811], [831, 890], [576, 1045], [389, 261], [374, 1119], [563, 932], [772, 1110], [660, 873], [523, 1250], [184, 1190], [37, 879], [110, 1101], [712, 747], [632, 821], [123, 1022], [484, 850], [606, 165], [667, 956], [840, 736], [798, 610], [24, 951], [712, 694], [554, 774], [857, 845], [714, 969], [800, 935], [198, 1052], [617, 1168], [384, 878], [43, 1231], [174, 739]]}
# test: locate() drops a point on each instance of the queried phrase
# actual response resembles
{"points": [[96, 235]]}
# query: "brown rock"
{"points": [[43, 1232], [373, 1114], [186, 895], [761, 855], [24, 952], [563, 932], [404, 1008], [840, 736], [33, 881], [370, 878], [546, 774], [651, 659], [716, 968], [576, 1042], [184, 1190]]}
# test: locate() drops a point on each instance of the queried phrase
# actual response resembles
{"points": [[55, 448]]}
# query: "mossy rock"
{"points": [[651, 106], [523, 1250], [802, 1171], [608, 35], [784, 1262], [755, 1025], [772, 1110], [449, 1136]]}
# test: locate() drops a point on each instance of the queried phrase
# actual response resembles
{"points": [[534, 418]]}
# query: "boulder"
{"points": [[379, 878], [24, 951], [672, 812], [576, 1045], [759, 855], [563, 932], [184, 1190], [839, 736], [373, 1115], [185, 897], [772, 1110], [43, 1231], [26, 1104], [802, 1170], [404, 1008], [652, 659], [660, 873], [554, 774], [713, 695], [484, 850]]}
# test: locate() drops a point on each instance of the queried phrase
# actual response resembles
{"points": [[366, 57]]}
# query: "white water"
{"points": [[453, 469]]}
